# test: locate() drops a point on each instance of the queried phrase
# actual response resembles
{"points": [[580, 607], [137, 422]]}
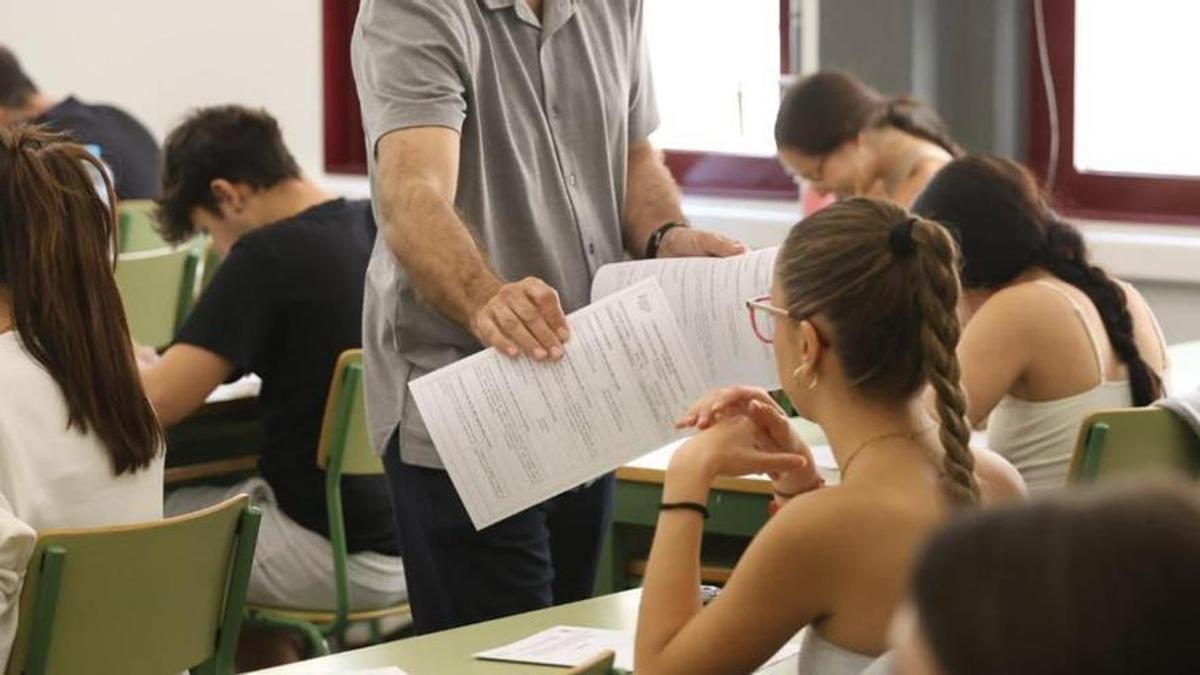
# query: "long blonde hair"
{"points": [[888, 285]]}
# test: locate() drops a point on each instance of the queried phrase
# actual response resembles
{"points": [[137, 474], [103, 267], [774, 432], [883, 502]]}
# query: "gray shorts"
{"points": [[293, 566]]}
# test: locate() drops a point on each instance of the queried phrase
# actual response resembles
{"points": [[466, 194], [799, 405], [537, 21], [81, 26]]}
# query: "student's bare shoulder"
{"points": [[1018, 295], [837, 518], [999, 481], [1024, 306]]}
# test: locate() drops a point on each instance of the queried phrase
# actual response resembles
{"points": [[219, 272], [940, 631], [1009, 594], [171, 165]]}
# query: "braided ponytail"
{"points": [[936, 293], [1065, 256], [1005, 227], [888, 285]]}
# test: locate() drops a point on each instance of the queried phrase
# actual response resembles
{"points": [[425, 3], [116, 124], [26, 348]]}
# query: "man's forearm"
{"points": [[442, 259], [652, 197]]}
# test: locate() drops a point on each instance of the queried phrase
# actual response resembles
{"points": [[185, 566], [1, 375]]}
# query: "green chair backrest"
{"points": [[137, 226], [156, 289], [601, 665], [344, 449], [148, 599], [1134, 439]]}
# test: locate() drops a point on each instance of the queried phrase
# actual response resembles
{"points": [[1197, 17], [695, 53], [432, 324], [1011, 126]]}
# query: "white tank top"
{"points": [[819, 656], [1038, 437]]}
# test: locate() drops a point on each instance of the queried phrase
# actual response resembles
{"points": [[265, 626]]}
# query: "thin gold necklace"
{"points": [[910, 435]]}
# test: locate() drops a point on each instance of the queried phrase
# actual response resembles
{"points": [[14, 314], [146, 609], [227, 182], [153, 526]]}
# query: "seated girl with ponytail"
{"points": [[846, 139], [79, 442], [1049, 337], [862, 318]]}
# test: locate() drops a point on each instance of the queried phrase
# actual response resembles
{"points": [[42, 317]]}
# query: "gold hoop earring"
{"points": [[807, 367]]}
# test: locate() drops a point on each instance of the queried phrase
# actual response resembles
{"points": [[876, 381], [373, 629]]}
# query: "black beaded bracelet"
{"points": [[656, 238], [685, 506]]}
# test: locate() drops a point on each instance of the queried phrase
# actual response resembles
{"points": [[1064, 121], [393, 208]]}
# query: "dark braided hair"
{"points": [[1005, 227]]}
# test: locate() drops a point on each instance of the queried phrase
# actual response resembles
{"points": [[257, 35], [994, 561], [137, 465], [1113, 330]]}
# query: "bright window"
{"points": [[1135, 104], [1111, 131], [716, 73]]}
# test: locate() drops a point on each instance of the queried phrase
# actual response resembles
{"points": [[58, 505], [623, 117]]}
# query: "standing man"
{"points": [[509, 160]]}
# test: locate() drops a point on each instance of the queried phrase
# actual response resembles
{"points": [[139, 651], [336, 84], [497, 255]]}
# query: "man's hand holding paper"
{"points": [[523, 317]]}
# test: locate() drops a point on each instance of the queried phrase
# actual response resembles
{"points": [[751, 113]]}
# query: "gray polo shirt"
{"points": [[546, 111]]}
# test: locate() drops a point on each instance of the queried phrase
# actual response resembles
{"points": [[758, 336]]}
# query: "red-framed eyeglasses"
{"points": [[764, 325]]}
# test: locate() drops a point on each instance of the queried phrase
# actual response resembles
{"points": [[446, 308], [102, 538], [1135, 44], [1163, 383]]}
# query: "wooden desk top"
{"points": [[449, 652], [221, 439]]}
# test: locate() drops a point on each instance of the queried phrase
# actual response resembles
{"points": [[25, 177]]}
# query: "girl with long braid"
{"points": [[862, 315], [1049, 337]]}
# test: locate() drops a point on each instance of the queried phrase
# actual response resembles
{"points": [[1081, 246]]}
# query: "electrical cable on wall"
{"points": [[1051, 98]]}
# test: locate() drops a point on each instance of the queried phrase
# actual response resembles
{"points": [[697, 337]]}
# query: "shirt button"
{"points": [[571, 179], [591, 249]]}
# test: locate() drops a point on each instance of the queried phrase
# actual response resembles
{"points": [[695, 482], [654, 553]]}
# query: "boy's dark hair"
{"points": [[15, 85], [238, 144]]}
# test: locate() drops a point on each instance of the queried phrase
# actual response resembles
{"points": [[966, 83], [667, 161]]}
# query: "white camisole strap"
{"points": [[1096, 351]]}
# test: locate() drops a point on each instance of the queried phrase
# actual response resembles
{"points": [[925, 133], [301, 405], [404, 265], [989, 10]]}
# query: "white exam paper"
{"points": [[571, 646], [248, 386], [513, 433], [567, 646], [388, 670], [708, 297]]}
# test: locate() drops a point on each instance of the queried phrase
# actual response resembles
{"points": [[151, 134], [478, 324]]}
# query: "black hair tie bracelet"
{"points": [[685, 506]]}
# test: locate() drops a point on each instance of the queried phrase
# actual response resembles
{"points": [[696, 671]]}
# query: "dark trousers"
{"points": [[543, 556]]}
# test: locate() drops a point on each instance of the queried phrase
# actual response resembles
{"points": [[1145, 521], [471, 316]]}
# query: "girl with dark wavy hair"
{"points": [[1049, 336]]}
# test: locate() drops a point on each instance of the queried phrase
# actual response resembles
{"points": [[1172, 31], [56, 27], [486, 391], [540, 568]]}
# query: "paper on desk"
{"points": [[571, 646], [568, 646], [248, 386], [513, 433], [391, 670], [708, 296]]}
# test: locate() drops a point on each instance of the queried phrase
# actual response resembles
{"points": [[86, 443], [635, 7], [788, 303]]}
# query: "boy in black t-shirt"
{"points": [[123, 143], [286, 300]]}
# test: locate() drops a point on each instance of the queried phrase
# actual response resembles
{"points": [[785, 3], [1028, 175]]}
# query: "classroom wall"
{"points": [[967, 59], [158, 58]]}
